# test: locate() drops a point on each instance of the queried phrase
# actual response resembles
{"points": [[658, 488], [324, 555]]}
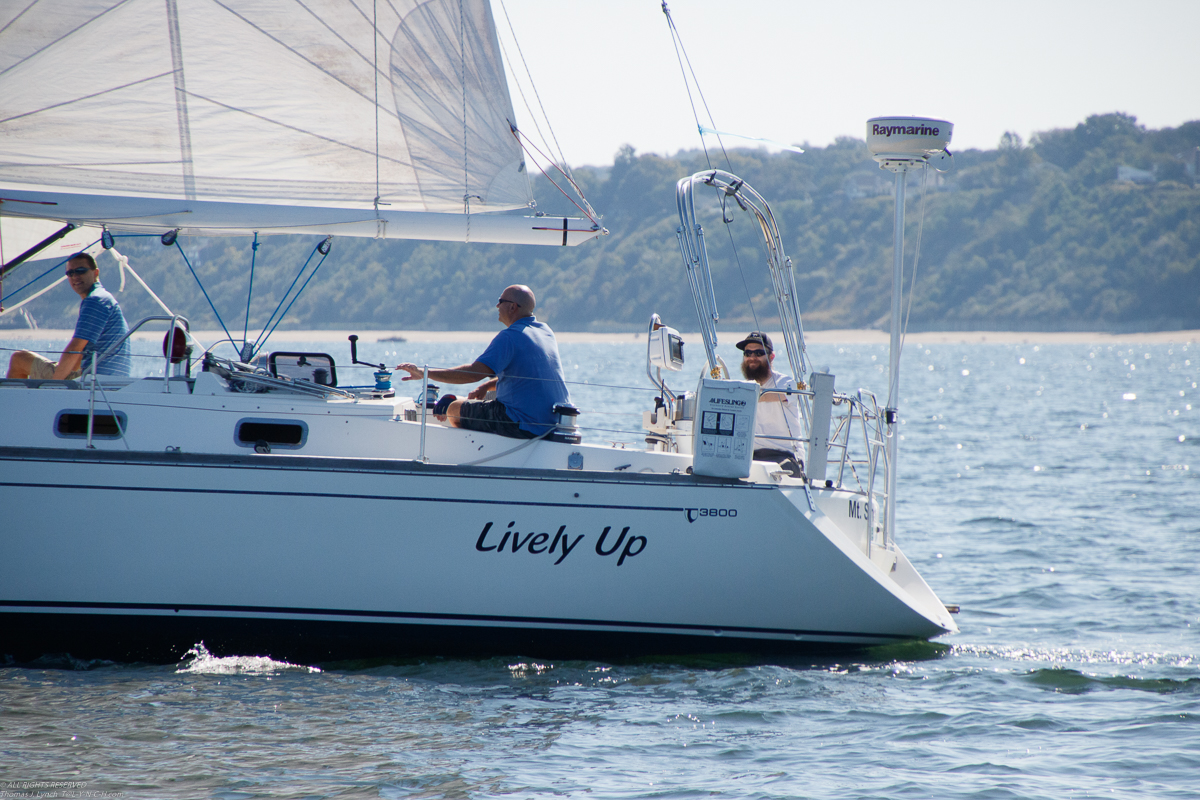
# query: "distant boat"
{"points": [[392, 339], [270, 510]]}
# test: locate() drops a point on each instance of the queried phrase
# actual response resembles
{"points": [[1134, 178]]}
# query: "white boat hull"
{"points": [[139, 555]]}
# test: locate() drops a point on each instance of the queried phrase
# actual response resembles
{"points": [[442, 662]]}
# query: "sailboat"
{"points": [[257, 505]]}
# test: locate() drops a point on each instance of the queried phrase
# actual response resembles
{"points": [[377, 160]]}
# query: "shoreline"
{"points": [[844, 336]]}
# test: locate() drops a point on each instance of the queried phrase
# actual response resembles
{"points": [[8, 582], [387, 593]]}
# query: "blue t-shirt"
{"points": [[524, 357], [102, 324]]}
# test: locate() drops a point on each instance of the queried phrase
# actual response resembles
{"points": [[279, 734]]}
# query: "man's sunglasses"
{"points": [[78, 271], [759, 353]]}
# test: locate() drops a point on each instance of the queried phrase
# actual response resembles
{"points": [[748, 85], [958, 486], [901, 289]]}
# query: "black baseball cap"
{"points": [[757, 337]]}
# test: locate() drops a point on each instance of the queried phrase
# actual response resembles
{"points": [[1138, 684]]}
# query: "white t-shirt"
{"points": [[778, 418]]}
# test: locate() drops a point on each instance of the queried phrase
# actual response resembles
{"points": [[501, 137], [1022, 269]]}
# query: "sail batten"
{"points": [[256, 105]]}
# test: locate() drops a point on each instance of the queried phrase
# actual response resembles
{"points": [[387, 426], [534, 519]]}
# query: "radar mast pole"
{"points": [[901, 144]]}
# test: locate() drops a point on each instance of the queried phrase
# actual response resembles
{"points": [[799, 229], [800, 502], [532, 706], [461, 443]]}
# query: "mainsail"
{"points": [[346, 117]]}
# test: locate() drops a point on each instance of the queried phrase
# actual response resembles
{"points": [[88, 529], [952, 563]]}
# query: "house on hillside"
{"points": [[1127, 173], [1191, 165], [866, 184], [858, 185]]}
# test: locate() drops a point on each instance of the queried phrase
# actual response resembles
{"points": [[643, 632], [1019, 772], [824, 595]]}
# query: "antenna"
{"points": [[901, 144]]}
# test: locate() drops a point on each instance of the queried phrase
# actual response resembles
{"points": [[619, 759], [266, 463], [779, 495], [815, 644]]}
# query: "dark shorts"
{"points": [[489, 416], [783, 458]]}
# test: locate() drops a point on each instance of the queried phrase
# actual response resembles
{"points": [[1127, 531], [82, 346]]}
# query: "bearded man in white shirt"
{"points": [[777, 423]]}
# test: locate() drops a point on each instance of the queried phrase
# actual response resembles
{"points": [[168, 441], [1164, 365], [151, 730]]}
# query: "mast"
{"points": [[901, 144]]}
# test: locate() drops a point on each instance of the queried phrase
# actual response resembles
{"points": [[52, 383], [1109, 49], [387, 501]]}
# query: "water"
{"points": [[1050, 490]]}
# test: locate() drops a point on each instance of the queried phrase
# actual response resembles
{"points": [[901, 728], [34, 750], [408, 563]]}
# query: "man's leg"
{"points": [[488, 416], [452, 415], [18, 365], [25, 364]]}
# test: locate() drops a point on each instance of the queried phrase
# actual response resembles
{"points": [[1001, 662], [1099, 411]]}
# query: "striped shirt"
{"points": [[102, 324]]}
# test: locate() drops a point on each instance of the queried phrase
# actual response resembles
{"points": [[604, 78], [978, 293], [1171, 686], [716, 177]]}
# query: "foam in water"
{"points": [[1065, 655], [205, 663]]}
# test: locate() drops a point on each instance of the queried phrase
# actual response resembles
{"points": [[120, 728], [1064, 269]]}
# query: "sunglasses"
{"points": [[78, 271], [502, 300], [759, 353]]}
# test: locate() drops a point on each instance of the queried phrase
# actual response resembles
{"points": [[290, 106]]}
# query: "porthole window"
{"points": [[275, 434], [73, 424]]}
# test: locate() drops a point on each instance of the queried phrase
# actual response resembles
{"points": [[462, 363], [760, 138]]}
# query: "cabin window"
{"points": [[316, 368], [275, 433], [73, 424]]}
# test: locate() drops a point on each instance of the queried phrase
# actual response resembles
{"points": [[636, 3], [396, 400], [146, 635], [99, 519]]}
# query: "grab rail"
{"points": [[174, 319]]}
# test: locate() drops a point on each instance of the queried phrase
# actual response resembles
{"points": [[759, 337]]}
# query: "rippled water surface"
{"points": [[1050, 490]]}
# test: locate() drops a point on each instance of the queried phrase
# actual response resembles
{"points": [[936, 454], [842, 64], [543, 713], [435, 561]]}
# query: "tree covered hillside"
{"points": [[1091, 228]]}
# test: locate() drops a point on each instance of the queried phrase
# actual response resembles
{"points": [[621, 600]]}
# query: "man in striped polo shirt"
{"points": [[100, 325]]}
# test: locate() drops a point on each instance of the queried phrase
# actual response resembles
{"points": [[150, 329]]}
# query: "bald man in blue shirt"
{"points": [[521, 364]]}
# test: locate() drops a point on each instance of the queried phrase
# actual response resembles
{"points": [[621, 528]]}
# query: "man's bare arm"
{"points": [[480, 391], [467, 373]]}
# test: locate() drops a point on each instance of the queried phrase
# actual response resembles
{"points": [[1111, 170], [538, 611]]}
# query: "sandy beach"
{"points": [[813, 337]]}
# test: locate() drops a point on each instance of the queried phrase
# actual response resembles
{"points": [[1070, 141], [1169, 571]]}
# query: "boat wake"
{"points": [[198, 661], [1066, 655]]}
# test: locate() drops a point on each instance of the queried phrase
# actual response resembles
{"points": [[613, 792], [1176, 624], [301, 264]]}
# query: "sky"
{"points": [[794, 71]]}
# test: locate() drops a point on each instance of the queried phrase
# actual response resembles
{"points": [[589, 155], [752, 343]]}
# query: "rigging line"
{"points": [[375, 70], [533, 86], [39, 277], [116, 417], [741, 272], [588, 212], [686, 85], [525, 101], [678, 40], [916, 258], [462, 58], [681, 56], [203, 290], [250, 291], [286, 294], [738, 258], [526, 145], [311, 275], [6, 311]]}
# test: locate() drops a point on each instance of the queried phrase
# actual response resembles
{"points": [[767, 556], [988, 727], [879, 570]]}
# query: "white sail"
{"points": [[328, 116], [18, 235]]}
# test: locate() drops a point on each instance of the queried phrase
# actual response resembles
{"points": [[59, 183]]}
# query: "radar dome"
{"points": [[914, 137]]}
